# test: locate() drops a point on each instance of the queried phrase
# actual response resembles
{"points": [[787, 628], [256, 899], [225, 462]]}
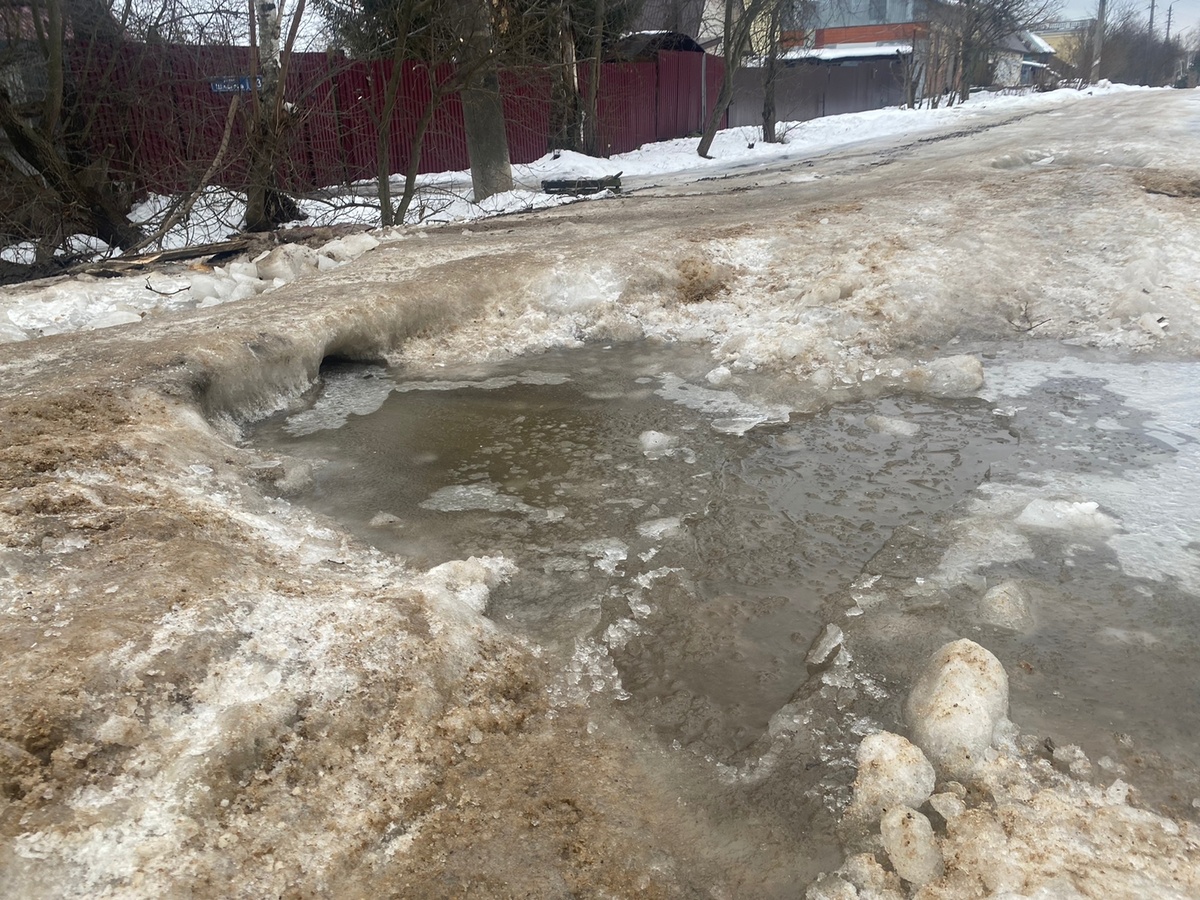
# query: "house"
{"points": [[1022, 59], [858, 25], [1071, 41]]}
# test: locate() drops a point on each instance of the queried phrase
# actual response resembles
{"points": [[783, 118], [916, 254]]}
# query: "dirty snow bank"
{"points": [[990, 816], [289, 692], [64, 305]]}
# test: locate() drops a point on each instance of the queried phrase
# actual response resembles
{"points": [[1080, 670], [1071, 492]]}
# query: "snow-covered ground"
{"points": [[211, 691], [62, 305]]}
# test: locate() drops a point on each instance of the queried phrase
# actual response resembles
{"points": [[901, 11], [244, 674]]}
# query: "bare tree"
{"points": [[47, 159], [457, 46], [977, 27], [739, 22], [266, 205], [783, 26], [1121, 48]]}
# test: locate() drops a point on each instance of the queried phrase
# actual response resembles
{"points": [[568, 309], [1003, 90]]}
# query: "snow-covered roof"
{"points": [[845, 51], [1036, 43], [1026, 42]]}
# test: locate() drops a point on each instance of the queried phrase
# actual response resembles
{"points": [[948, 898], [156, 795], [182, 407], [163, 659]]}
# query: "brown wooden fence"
{"points": [[156, 113]]}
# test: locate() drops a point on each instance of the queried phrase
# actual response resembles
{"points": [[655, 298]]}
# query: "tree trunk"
{"points": [[567, 128], [963, 87], [736, 37], [487, 144], [770, 72], [266, 206], [483, 113], [591, 113], [1097, 43], [52, 106], [714, 121]]}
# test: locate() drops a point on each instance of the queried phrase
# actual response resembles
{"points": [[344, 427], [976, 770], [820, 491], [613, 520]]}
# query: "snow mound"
{"points": [[1021, 832]]}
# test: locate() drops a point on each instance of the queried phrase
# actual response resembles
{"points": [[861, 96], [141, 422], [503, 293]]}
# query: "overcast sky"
{"points": [[1184, 19]]}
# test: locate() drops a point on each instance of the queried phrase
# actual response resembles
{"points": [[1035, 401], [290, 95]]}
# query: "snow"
{"points": [[845, 51], [62, 305]]}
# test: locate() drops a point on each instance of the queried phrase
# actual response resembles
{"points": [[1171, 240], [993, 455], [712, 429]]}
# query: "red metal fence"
{"points": [[157, 113]]}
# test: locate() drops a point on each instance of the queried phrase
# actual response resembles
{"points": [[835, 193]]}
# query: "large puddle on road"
{"points": [[676, 556], [680, 542]]}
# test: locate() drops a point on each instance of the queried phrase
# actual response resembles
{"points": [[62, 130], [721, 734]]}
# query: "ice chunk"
{"points": [[468, 581], [734, 415], [242, 270], [287, 263], [953, 376], [871, 878], [1065, 515], [352, 246], [383, 519], [1007, 606], [606, 553], [659, 528], [718, 376], [204, 286], [655, 444], [892, 771], [910, 845], [114, 317], [1152, 323], [620, 632], [957, 705], [824, 648], [897, 427], [948, 805], [217, 287], [1071, 758]]}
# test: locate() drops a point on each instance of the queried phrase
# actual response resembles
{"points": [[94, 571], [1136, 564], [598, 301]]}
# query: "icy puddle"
{"points": [[678, 542], [1095, 518]]}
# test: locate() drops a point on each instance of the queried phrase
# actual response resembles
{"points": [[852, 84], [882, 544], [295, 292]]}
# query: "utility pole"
{"points": [[1152, 19], [1170, 9]]}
